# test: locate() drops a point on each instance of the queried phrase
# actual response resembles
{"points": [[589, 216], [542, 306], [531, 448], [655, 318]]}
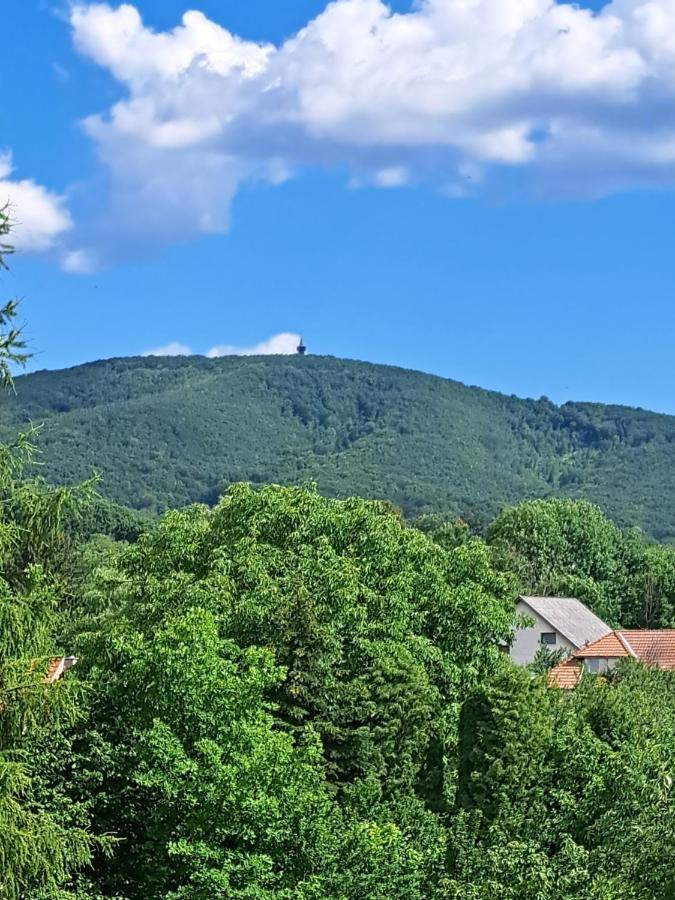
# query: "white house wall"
{"points": [[526, 641]]}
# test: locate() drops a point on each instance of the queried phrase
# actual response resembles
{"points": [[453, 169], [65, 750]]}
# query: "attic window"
{"points": [[548, 638]]}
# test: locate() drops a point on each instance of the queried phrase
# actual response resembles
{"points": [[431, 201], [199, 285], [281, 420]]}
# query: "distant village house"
{"points": [[652, 648], [559, 623]]}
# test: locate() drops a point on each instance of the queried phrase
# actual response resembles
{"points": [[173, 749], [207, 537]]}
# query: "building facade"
{"points": [[558, 623]]}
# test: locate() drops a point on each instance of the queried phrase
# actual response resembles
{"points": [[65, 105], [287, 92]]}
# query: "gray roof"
{"points": [[570, 617]]}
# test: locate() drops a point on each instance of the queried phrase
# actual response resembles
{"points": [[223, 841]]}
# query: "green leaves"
{"points": [[277, 680], [570, 548], [567, 794]]}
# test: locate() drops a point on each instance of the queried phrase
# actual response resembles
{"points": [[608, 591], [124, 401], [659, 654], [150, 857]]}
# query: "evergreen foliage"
{"points": [[286, 697], [269, 680], [38, 851]]}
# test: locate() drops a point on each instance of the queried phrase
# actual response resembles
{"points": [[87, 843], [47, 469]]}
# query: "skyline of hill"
{"points": [[165, 431]]}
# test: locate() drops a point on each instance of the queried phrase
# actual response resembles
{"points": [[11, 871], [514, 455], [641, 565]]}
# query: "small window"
{"points": [[548, 638]]}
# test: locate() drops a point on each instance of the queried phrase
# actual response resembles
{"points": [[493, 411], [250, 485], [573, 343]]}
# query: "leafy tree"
{"points": [[569, 547], [275, 682], [447, 533], [38, 851], [546, 658], [566, 547], [567, 793], [649, 594]]}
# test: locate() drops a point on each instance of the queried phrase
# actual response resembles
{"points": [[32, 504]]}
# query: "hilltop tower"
{"points": [[301, 348]]}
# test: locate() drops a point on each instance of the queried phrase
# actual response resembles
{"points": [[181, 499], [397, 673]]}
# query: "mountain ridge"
{"points": [[361, 362], [165, 431]]}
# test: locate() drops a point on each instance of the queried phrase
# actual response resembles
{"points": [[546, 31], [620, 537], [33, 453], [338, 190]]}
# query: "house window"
{"points": [[599, 664], [548, 638]]}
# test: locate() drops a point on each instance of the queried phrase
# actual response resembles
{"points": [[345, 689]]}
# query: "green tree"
{"points": [[38, 852], [649, 595], [566, 547], [348, 639], [12, 345], [566, 794]]}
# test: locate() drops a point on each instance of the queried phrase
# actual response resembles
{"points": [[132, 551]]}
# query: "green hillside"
{"points": [[166, 431]]}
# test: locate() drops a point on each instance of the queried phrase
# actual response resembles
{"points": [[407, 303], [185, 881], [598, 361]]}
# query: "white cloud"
{"points": [[395, 176], [580, 102], [39, 216], [174, 348], [78, 262], [283, 344]]}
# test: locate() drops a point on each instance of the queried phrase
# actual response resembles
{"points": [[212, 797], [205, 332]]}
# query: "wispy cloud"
{"points": [[173, 348], [579, 102], [283, 344]]}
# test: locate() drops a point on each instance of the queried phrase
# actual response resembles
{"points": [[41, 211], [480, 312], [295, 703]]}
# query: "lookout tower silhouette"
{"points": [[301, 348]]}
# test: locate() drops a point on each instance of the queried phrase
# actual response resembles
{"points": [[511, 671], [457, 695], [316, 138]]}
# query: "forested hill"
{"points": [[166, 431]]}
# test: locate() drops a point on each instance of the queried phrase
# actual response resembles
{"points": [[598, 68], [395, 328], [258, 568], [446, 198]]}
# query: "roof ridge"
{"points": [[648, 631], [626, 643], [593, 622]]}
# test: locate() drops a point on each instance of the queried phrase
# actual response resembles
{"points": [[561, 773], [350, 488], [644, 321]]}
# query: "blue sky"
{"points": [[559, 285]]}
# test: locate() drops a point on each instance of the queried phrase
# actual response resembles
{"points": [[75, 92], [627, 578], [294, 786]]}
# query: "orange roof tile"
{"points": [[610, 646], [565, 675], [656, 647], [653, 647], [57, 667]]}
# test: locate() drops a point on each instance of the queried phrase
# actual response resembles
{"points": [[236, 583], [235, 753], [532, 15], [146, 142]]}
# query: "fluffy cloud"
{"points": [[40, 218], [579, 102], [283, 344], [173, 348]]}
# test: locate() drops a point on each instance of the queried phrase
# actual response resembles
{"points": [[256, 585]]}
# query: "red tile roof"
{"points": [[611, 646], [565, 675], [654, 647], [57, 667]]}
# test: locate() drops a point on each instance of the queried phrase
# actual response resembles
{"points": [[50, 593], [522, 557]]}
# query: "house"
{"points": [[558, 623], [653, 648], [57, 667]]}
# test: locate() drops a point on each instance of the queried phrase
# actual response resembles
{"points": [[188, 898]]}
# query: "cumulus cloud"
{"points": [[173, 348], [579, 102], [39, 216], [283, 344]]}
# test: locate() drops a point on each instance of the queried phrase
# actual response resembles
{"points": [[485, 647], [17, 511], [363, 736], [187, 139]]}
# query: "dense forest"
{"points": [[286, 697], [283, 696], [164, 432]]}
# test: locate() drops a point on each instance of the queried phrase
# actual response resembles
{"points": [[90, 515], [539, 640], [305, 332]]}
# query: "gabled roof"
{"points": [[570, 617], [657, 647], [652, 647], [610, 646], [57, 667], [566, 675]]}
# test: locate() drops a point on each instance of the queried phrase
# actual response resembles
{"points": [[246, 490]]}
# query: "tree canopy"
{"points": [[38, 849], [287, 697], [164, 432], [287, 650]]}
